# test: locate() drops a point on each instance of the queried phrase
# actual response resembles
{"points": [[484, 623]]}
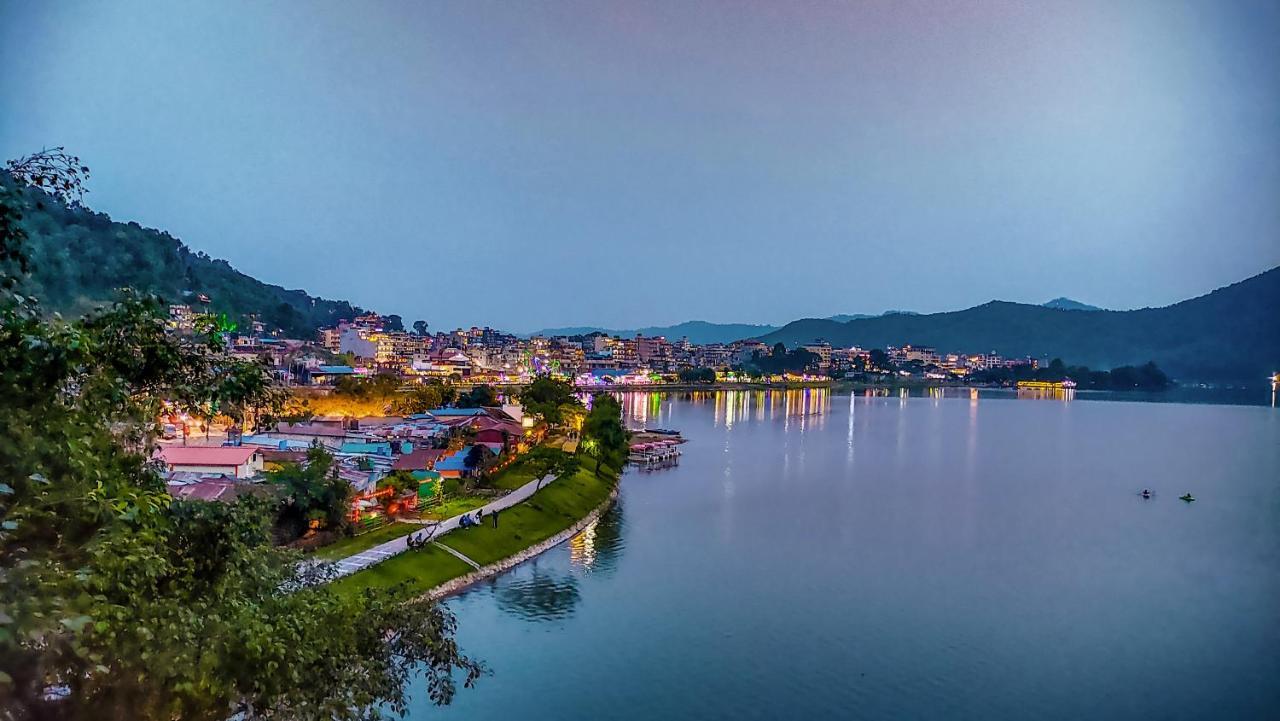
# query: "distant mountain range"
{"points": [[702, 332], [1229, 335], [79, 258], [697, 331]]}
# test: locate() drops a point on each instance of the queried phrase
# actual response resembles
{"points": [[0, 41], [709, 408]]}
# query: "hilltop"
{"points": [[80, 257], [1229, 335], [1069, 304]]}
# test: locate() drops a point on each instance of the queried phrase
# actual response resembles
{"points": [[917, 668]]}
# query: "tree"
{"points": [[880, 360], [393, 323], [420, 327], [545, 461], [53, 170], [418, 400], [136, 606], [780, 360], [477, 460], [697, 375], [311, 491], [546, 398], [1151, 377], [602, 432], [481, 396], [355, 396], [448, 394]]}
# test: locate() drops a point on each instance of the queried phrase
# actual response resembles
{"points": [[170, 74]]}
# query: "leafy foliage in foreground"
{"points": [[117, 602]]}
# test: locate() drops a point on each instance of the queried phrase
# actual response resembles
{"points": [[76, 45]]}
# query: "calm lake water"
{"points": [[942, 557]]}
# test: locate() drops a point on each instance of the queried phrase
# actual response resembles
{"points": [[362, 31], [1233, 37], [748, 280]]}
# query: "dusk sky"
{"points": [[533, 164]]}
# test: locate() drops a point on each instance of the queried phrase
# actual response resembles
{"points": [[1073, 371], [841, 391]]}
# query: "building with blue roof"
{"points": [[366, 449], [455, 465], [335, 370]]}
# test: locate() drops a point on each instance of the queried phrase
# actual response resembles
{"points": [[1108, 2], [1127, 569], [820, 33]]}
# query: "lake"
{"points": [[952, 556]]}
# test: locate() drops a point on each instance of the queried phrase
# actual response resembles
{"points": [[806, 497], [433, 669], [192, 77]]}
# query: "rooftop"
{"points": [[420, 459], [206, 455]]}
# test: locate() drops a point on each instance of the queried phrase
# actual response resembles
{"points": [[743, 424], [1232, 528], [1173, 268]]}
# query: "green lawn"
{"points": [[344, 547], [419, 570], [451, 507], [513, 476], [545, 514], [548, 512]]}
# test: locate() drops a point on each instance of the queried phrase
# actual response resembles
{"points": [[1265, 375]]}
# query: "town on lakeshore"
{"points": [[371, 344], [678, 359], [430, 427]]}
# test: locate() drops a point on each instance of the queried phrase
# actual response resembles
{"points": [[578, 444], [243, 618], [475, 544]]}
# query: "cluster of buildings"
{"points": [[941, 366], [369, 345], [908, 360], [441, 444]]}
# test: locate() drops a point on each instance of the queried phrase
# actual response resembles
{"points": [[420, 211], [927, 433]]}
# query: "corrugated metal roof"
{"points": [[206, 455]]}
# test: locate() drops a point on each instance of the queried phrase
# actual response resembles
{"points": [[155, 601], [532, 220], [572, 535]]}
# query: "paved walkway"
{"points": [[434, 530]]}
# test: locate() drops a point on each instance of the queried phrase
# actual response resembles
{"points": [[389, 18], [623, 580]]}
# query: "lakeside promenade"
{"points": [[377, 554]]}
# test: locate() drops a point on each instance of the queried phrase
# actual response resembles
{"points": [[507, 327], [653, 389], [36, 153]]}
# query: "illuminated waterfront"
{"points": [[932, 554]]}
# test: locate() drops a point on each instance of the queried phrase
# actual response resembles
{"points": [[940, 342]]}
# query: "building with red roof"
{"points": [[421, 459], [234, 461]]}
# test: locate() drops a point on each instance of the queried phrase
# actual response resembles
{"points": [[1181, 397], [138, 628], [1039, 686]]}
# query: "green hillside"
{"points": [[1229, 335], [79, 258]]}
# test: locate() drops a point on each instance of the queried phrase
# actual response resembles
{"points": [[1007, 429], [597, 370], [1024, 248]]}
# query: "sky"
{"points": [[533, 164]]}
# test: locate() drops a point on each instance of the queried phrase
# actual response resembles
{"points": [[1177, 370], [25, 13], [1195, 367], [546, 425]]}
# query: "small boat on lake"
{"points": [[1186, 497]]}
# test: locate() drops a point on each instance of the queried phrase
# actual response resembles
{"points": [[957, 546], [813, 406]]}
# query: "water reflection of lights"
{"points": [[582, 547], [853, 405], [1048, 394], [805, 405], [642, 408]]}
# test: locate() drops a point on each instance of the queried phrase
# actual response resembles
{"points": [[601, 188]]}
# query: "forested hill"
{"points": [[79, 258], [1229, 335]]}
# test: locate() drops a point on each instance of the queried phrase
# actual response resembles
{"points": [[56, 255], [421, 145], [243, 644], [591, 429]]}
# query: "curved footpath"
{"points": [[396, 546]]}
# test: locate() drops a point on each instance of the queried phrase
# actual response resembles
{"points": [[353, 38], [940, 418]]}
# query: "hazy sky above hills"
{"points": [[525, 164]]}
